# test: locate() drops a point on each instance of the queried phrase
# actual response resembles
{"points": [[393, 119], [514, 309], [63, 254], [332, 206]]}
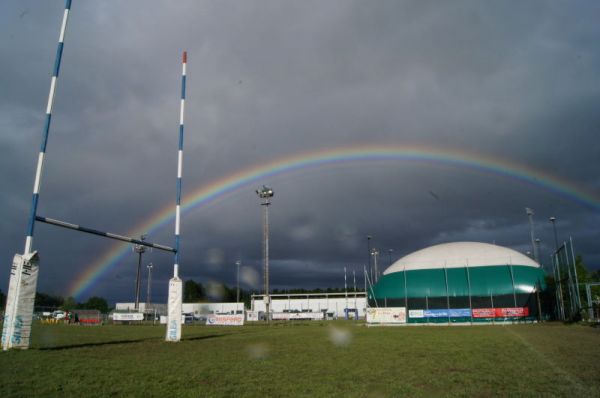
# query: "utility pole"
{"points": [[149, 266], [139, 249], [346, 295], [266, 193], [237, 264]]}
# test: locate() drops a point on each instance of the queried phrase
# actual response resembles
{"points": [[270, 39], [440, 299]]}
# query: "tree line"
{"points": [[47, 302]]}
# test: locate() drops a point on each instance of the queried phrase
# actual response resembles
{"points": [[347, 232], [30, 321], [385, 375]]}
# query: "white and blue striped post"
{"points": [[180, 165], [40, 163], [19, 302], [175, 284]]}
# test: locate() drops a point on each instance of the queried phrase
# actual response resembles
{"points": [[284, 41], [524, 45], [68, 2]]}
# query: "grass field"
{"points": [[319, 359]]}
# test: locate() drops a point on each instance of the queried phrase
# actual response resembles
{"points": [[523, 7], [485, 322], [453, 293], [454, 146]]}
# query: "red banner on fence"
{"points": [[500, 312], [484, 313], [510, 312]]}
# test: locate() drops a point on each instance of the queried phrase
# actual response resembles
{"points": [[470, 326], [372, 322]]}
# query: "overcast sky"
{"points": [[513, 80]]}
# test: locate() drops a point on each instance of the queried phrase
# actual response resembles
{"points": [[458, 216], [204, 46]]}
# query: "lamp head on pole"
{"points": [[265, 192]]}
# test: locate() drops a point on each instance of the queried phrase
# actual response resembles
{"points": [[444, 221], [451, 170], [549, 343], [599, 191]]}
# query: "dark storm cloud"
{"points": [[512, 80]]}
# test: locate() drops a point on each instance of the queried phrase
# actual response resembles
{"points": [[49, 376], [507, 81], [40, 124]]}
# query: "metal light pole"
{"points": [[533, 247], [237, 264], [370, 269], [553, 221], [538, 246], [139, 249], [149, 266], [390, 251], [346, 315], [555, 262], [375, 253], [266, 193]]}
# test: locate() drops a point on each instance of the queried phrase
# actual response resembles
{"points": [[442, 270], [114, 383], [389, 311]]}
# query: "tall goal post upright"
{"points": [[175, 284], [24, 271]]}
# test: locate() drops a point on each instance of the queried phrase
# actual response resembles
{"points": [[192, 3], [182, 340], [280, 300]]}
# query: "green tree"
{"points": [[95, 303], [69, 304], [2, 300], [193, 292], [47, 301], [583, 274]]}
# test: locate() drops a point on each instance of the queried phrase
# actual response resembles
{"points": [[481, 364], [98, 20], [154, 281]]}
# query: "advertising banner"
{"points": [[280, 316], [460, 312], [287, 316], [131, 316], [313, 316], [442, 313], [20, 301], [386, 315], [500, 312], [484, 313], [174, 310], [227, 320], [512, 312]]}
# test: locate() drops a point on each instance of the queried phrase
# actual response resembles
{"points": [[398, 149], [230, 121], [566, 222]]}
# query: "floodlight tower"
{"points": [[375, 253], [530, 214], [265, 193], [369, 269], [237, 264], [538, 246], [139, 249], [149, 266], [553, 221]]}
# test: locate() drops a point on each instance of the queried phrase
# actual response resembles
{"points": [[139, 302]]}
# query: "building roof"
{"points": [[458, 255]]}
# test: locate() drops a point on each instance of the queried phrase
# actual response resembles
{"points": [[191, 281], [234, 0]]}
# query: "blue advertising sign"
{"points": [[444, 313], [435, 313], [460, 312]]}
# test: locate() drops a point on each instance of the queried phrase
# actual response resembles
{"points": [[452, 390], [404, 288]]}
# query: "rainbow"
{"points": [[209, 193]]}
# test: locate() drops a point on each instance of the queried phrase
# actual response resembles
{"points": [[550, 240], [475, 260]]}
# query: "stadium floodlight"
{"points": [[530, 214], [538, 246], [266, 193], [375, 253], [237, 264], [369, 268], [553, 221]]}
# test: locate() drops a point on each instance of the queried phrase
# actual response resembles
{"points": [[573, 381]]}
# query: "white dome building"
{"points": [[461, 281]]}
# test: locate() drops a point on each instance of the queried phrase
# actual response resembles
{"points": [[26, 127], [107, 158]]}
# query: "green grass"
{"points": [[303, 359]]}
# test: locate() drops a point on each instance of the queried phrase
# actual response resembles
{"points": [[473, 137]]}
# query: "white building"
{"points": [[161, 309], [212, 308], [334, 304], [196, 309]]}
